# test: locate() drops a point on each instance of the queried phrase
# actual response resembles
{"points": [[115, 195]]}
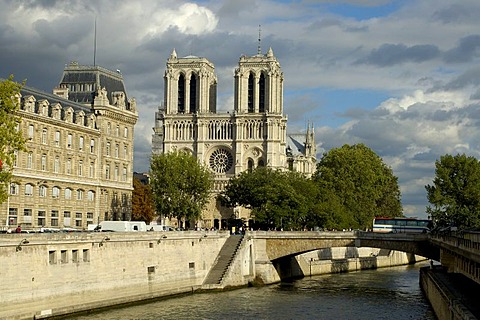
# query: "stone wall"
{"points": [[55, 274]]}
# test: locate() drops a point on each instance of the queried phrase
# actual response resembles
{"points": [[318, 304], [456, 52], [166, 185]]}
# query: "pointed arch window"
{"points": [[193, 93], [251, 82], [250, 165], [181, 94], [261, 93]]}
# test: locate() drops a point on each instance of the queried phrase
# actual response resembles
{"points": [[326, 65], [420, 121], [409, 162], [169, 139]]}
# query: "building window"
{"points": [[56, 165], [107, 172], [12, 216], [79, 194], [44, 136], [44, 162], [117, 150], [80, 144], [69, 141], [109, 128], [68, 193], [55, 192], [91, 195], [92, 146], [108, 149], [27, 212], [125, 133], [117, 131], [30, 131], [42, 191], [41, 218], [54, 218], [78, 219], [125, 152], [29, 190], [90, 216], [15, 158], [30, 160], [57, 138], [68, 166], [80, 168], [92, 170], [124, 174], [14, 189], [115, 174]]}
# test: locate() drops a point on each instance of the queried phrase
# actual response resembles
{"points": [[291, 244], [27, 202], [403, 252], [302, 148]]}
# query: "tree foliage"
{"points": [[180, 185], [11, 138], [355, 186], [455, 193], [142, 202], [277, 199]]}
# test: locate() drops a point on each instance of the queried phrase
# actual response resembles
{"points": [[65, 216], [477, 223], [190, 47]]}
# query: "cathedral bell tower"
{"points": [[190, 85], [259, 84]]}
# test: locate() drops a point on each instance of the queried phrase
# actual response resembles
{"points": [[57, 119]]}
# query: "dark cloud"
{"points": [[466, 51], [457, 13], [471, 77], [393, 54]]}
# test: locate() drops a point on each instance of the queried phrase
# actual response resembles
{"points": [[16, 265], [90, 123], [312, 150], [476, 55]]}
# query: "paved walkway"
{"points": [[465, 290]]}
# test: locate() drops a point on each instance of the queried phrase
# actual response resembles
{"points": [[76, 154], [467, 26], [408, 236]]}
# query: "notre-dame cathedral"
{"points": [[253, 134]]}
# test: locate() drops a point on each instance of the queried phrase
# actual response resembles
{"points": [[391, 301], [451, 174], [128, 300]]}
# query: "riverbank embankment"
{"points": [[46, 275]]}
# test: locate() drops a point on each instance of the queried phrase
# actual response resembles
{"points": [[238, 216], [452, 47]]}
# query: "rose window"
{"points": [[221, 160]]}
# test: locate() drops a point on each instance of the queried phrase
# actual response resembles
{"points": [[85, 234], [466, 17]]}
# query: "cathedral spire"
{"points": [[173, 55], [259, 49]]}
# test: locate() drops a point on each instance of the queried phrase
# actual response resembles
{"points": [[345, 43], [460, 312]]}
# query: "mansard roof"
{"points": [[52, 99], [82, 82]]}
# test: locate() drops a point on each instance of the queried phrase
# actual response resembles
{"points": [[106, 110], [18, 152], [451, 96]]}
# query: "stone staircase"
{"points": [[225, 257]]}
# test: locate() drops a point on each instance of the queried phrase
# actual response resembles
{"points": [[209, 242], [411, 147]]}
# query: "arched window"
{"points": [[250, 165], [181, 94], [193, 93], [42, 191], [28, 189], [251, 82], [261, 163], [55, 192], [261, 93], [68, 193]]}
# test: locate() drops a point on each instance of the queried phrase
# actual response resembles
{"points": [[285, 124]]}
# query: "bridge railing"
{"points": [[469, 240]]}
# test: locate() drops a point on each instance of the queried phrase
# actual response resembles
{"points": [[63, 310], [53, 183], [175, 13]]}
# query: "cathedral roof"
{"points": [[296, 144]]}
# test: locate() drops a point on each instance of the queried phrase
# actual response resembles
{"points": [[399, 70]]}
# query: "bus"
{"points": [[404, 225]]}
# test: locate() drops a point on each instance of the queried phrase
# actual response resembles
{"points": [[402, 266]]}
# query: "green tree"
{"points": [[277, 199], [180, 185], [142, 202], [11, 138], [455, 193], [355, 186]]}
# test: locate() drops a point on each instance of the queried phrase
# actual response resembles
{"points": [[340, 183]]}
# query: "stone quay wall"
{"points": [[46, 275], [445, 304], [53, 274]]}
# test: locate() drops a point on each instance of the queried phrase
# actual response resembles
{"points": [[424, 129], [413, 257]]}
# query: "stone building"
{"points": [[253, 134], [78, 165]]}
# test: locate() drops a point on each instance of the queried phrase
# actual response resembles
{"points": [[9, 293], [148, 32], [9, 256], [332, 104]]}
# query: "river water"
{"points": [[388, 293]]}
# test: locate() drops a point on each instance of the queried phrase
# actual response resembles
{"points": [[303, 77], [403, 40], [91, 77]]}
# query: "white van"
{"points": [[123, 226], [159, 227]]}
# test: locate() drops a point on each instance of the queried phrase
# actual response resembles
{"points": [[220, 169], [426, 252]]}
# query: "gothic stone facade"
{"points": [[78, 164], [253, 135]]}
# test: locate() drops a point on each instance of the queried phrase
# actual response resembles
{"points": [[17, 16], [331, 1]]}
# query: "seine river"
{"points": [[390, 293]]}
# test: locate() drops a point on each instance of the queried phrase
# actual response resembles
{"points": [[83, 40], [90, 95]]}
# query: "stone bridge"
{"points": [[281, 244]]}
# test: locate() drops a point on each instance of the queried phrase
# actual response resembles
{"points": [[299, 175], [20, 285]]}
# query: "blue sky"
{"points": [[401, 77]]}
